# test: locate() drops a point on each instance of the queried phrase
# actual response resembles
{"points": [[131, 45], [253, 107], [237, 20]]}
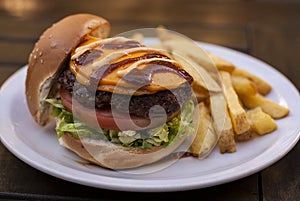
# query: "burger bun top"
{"points": [[51, 54]]}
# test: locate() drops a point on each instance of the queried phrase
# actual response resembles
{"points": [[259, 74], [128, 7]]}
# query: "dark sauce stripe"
{"points": [[88, 57], [124, 45], [103, 71]]}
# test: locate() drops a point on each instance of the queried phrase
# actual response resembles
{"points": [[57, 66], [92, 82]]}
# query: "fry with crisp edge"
{"points": [[270, 107], [183, 46], [262, 86], [221, 63], [243, 85], [261, 122], [201, 76], [222, 123], [236, 111], [205, 138]]}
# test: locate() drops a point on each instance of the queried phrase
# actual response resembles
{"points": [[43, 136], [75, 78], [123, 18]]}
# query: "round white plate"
{"points": [[39, 147]]}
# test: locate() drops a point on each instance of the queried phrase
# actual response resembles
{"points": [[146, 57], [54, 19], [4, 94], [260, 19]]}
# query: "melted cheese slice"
{"points": [[122, 65]]}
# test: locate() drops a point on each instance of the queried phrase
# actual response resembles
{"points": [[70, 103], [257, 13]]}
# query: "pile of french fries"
{"points": [[248, 112], [232, 101]]}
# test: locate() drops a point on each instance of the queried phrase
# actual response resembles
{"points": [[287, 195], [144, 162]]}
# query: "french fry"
{"points": [[236, 111], [221, 63], [226, 142], [261, 122], [275, 110], [243, 85], [184, 46], [138, 37], [222, 123], [246, 92], [200, 92], [201, 77], [262, 86], [248, 135], [205, 138], [192, 57]]}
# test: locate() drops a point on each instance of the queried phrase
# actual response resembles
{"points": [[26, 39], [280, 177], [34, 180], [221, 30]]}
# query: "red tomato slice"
{"points": [[105, 118]]}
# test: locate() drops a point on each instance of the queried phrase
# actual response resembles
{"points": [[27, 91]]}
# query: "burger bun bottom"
{"points": [[112, 156]]}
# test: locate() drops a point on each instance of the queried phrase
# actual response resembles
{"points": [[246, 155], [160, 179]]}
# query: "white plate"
{"points": [[39, 147]]}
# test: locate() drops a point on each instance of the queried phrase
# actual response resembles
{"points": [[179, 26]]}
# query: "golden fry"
{"points": [[201, 77], [200, 92], [221, 63], [226, 141], [205, 138], [262, 86], [249, 134], [222, 123], [236, 111], [275, 110], [138, 37], [183, 46], [243, 85], [261, 122]]}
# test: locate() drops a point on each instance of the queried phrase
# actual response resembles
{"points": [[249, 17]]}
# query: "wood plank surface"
{"points": [[15, 53], [279, 46], [281, 181], [6, 71]]}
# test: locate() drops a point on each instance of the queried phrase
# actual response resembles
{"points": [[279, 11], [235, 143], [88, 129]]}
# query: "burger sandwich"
{"points": [[117, 103]]}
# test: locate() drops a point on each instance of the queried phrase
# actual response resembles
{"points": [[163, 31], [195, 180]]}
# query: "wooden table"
{"points": [[268, 30]]}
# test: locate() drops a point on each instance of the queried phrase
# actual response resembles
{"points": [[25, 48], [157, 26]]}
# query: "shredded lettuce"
{"points": [[159, 136]]}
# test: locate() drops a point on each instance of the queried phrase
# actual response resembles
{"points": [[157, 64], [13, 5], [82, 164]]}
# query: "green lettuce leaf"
{"points": [[160, 136]]}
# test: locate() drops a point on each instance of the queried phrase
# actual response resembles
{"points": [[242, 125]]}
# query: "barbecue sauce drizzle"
{"points": [[135, 76]]}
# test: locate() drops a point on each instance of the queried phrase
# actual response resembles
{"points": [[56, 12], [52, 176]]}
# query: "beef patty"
{"points": [[169, 100]]}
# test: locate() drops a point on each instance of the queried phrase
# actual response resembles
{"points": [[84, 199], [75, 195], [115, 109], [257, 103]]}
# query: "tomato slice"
{"points": [[104, 118]]}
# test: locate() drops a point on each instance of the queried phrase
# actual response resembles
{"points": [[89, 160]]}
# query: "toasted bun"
{"points": [[114, 156], [50, 55]]}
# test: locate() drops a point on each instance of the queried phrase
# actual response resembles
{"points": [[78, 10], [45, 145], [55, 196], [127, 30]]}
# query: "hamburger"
{"points": [[116, 102]]}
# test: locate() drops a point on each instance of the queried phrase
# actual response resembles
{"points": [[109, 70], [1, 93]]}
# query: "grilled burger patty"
{"points": [[169, 100]]}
